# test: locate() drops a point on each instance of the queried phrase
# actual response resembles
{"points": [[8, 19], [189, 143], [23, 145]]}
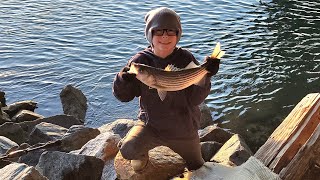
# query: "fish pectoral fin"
{"points": [[162, 94], [202, 82]]}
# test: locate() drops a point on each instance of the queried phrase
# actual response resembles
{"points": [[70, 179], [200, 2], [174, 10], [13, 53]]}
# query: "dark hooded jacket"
{"points": [[178, 116]]}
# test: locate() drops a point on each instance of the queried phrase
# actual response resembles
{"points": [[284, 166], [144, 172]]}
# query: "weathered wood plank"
{"points": [[291, 134], [301, 136], [305, 165]]}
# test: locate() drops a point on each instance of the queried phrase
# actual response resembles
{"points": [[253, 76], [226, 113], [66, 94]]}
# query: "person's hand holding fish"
{"points": [[213, 61], [125, 75]]}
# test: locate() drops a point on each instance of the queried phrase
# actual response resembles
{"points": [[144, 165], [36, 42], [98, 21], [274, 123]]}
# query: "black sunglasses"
{"points": [[160, 32]]}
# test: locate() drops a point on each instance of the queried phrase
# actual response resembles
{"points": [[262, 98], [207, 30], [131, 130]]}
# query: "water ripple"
{"points": [[272, 58]]}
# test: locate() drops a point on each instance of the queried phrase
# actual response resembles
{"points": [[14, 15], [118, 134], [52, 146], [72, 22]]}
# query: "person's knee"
{"points": [[194, 165], [129, 150], [126, 150]]}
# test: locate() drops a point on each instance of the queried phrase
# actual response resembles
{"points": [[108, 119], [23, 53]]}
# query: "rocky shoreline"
{"points": [[61, 147]]}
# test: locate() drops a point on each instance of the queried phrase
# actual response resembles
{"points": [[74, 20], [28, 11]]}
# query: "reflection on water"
{"points": [[272, 58], [279, 60]]}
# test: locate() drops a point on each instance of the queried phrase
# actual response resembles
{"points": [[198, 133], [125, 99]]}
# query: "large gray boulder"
{"points": [[62, 166], [32, 157], [14, 132], [104, 147], [20, 171], [45, 132], [6, 144], [74, 102], [233, 153], [109, 171], [77, 136], [119, 126]]}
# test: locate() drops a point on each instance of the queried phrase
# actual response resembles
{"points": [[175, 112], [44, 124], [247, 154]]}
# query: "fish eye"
{"points": [[141, 69]]}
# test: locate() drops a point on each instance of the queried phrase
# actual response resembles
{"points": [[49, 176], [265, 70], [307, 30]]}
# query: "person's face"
{"points": [[164, 41]]}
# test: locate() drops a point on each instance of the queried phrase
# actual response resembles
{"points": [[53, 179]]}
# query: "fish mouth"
{"points": [[133, 69]]}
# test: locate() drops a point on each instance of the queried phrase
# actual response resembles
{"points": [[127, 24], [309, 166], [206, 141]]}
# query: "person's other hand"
{"points": [[125, 75], [213, 65]]}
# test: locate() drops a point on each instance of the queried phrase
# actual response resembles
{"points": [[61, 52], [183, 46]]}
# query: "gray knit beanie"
{"points": [[162, 18]]}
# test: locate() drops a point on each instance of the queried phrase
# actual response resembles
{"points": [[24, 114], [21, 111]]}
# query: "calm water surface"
{"points": [[272, 60]]}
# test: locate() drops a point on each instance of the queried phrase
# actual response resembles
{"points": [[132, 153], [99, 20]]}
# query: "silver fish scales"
{"points": [[172, 78]]}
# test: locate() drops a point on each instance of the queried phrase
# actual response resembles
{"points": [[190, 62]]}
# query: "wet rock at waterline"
{"points": [[74, 102]]}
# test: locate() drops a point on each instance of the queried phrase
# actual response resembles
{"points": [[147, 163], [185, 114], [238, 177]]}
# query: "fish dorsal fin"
{"points": [[162, 94], [191, 65], [171, 67]]}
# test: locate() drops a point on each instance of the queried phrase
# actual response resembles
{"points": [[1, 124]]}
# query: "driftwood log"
{"points": [[293, 149]]}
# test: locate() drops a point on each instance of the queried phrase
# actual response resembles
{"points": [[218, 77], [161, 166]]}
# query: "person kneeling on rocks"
{"points": [[173, 122]]}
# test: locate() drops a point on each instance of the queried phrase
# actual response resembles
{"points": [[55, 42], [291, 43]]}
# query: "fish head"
{"points": [[134, 68], [138, 69], [142, 73]]}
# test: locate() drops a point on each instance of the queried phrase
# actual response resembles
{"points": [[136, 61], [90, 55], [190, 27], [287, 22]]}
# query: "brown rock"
{"points": [[77, 136], [2, 99], [205, 118], [233, 153], [14, 108], [104, 146], [14, 132], [4, 117], [163, 164], [26, 115], [209, 149], [214, 133]]}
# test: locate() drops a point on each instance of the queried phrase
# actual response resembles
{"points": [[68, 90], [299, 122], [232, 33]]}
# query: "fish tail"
{"points": [[217, 53]]}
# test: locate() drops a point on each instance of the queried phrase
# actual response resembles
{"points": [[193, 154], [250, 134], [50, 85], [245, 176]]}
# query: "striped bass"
{"points": [[172, 78]]}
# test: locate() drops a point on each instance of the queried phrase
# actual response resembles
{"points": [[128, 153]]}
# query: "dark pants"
{"points": [[140, 139]]}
